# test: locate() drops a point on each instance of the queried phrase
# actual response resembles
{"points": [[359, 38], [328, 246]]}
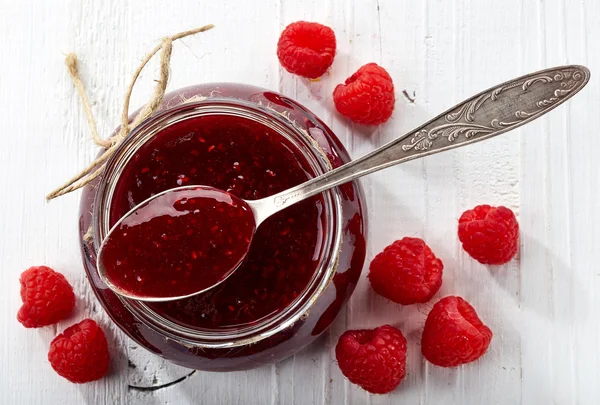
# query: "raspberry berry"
{"points": [[367, 97], [80, 353], [373, 359], [406, 272], [454, 334], [489, 234], [47, 297], [306, 48]]}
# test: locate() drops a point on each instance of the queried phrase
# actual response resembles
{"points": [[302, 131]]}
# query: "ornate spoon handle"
{"points": [[487, 114]]}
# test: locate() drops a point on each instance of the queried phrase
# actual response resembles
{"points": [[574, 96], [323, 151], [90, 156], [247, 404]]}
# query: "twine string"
{"points": [[96, 167]]}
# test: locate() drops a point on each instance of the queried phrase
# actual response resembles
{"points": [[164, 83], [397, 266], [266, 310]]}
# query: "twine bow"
{"points": [[95, 168]]}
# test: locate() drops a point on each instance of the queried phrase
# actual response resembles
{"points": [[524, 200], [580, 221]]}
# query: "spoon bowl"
{"points": [[176, 244]]}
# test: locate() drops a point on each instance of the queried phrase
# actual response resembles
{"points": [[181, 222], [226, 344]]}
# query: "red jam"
{"points": [[179, 243], [251, 161]]}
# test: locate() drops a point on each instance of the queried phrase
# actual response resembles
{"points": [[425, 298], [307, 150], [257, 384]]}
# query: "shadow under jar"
{"points": [[304, 262]]}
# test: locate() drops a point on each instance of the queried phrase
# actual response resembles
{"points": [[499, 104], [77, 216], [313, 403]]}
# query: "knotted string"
{"points": [[95, 168]]}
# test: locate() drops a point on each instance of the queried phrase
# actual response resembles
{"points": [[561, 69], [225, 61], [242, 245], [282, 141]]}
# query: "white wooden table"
{"points": [[544, 307]]}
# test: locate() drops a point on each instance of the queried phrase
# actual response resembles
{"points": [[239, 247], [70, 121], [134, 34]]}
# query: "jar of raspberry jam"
{"points": [[304, 262]]}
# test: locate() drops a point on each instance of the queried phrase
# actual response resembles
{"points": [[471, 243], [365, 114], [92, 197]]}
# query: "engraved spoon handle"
{"points": [[485, 115]]}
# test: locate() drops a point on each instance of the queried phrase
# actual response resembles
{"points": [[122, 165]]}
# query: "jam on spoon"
{"points": [[177, 243]]}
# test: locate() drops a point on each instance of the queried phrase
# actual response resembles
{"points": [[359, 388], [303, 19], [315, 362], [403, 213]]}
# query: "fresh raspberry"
{"points": [[367, 97], [406, 272], [489, 234], [80, 353], [375, 359], [47, 297], [454, 334], [306, 48]]}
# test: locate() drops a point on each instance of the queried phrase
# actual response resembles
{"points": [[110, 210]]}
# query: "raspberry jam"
{"points": [[251, 161], [303, 262], [180, 242]]}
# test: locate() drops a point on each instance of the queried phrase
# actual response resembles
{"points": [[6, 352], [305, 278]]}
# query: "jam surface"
{"points": [[250, 161], [179, 243]]}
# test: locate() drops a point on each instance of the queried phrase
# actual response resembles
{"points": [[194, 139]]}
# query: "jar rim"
{"points": [[331, 244]]}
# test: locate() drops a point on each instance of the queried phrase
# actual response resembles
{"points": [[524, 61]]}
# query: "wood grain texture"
{"points": [[543, 307]]}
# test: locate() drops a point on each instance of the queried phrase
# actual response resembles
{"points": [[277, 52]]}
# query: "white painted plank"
{"points": [[558, 281], [489, 173], [395, 196], [305, 378], [582, 21], [43, 145]]}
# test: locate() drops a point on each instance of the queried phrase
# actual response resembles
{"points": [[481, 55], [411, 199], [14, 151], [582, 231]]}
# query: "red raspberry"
{"points": [[454, 334], [406, 272], [47, 297], [80, 353], [367, 97], [375, 359], [489, 234], [306, 48]]}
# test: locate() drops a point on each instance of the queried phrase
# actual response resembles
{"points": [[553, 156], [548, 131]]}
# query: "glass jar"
{"points": [[338, 258]]}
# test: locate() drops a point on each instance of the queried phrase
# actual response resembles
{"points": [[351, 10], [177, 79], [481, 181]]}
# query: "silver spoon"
{"points": [[483, 116]]}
